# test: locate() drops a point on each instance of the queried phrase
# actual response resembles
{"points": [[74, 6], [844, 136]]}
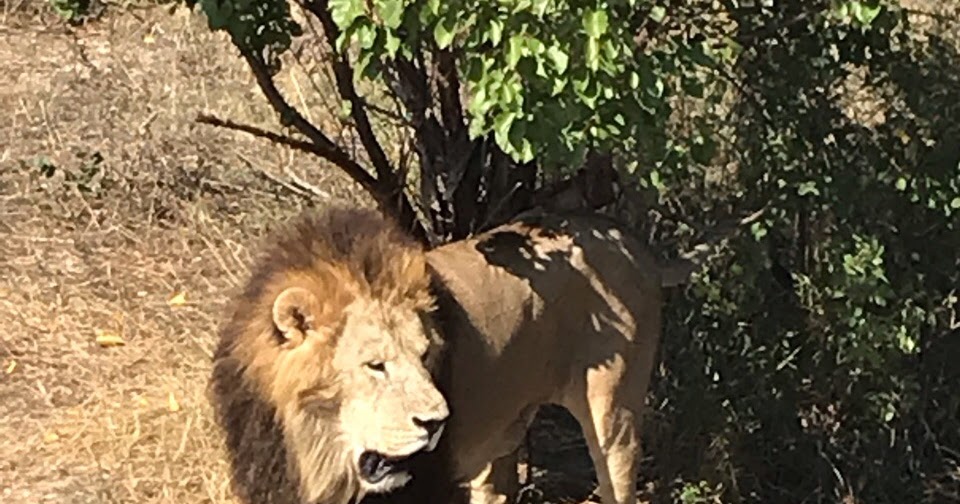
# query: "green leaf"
{"points": [[655, 180], [391, 44], [495, 32], [343, 12], [391, 11], [345, 109], [501, 128], [657, 13], [444, 32], [808, 187], [593, 54], [559, 58], [558, 86], [514, 50], [866, 12], [540, 7], [955, 203], [901, 184], [595, 23], [758, 231]]}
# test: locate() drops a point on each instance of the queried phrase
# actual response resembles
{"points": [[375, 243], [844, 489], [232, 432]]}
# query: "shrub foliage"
{"points": [[815, 356]]}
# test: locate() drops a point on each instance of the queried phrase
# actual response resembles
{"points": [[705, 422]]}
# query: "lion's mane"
{"points": [[351, 245]]}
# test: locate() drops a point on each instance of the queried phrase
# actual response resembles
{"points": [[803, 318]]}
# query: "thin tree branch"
{"points": [[344, 78], [353, 170], [325, 147], [275, 179], [389, 114], [450, 106]]}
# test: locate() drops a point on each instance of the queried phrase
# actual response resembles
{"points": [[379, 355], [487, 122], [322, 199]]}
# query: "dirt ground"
{"points": [[124, 221]]}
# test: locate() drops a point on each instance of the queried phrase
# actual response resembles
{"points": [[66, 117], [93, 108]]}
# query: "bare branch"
{"points": [[273, 178], [677, 272], [289, 116], [355, 171], [450, 106], [344, 77]]}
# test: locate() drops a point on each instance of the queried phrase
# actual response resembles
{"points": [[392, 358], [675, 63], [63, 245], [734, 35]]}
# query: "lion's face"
{"points": [[367, 377], [392, 410]]}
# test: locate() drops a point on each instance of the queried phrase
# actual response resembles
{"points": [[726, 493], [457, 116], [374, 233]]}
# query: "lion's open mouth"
{"points": [[374, 467]]}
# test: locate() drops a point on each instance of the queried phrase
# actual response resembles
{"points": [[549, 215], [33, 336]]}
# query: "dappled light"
{"points": [[792, 168]]}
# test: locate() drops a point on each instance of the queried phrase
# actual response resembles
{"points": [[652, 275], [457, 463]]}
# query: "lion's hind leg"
{"points": [[608, 404], [497, 483]]}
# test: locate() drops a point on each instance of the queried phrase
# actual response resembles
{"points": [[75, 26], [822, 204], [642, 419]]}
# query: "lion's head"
{"points": [[333, 338]]}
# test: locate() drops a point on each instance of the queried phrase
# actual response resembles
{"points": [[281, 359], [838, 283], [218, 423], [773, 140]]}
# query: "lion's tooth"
{"points": [[435, 439]]}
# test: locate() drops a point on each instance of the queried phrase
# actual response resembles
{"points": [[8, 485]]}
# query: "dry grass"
{"points": [[142, 204], [113, 201]]}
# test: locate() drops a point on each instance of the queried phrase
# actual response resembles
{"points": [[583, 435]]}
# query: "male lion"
{"points": [[352, 351]]}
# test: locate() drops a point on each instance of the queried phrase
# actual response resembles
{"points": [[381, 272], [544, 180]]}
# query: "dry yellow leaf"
{"points": [[177, 299], [149, 39], [142, 401], [108, 339], [11, 366], [172, 403], [51, 437]]}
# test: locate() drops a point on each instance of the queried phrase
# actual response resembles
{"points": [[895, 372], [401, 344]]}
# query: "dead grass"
{"points": [[113, 201], [141, 204]]}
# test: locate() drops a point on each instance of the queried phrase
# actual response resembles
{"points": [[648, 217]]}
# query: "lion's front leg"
{"points": [[497, 483]]}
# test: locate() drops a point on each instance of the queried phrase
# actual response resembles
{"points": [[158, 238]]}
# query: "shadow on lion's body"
{"points": [[559, 309]]}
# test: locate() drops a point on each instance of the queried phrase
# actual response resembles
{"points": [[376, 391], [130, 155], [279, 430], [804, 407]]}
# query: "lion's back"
{"points": [[530, 303]]}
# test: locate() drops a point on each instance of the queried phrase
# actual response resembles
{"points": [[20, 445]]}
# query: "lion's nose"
{"points": [[432, 426]]}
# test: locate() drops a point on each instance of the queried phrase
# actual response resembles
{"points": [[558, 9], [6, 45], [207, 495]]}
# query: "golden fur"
{"points": [[280, 397], [558, 309]]}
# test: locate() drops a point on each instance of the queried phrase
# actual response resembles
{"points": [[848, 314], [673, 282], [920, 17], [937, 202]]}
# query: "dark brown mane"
{"points": [[338, 253], [362, 241]]}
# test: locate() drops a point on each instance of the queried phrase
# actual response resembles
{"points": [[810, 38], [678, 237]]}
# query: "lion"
{"points": [[356, 360]]}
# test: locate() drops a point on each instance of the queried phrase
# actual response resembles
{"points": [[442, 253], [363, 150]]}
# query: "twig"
{"points": [[322, 146], [385, 190], [363, 178], [299, 183], [343, 74], [142, 128], [389, 114], [273, 178], [257, 132], [720, 233]]}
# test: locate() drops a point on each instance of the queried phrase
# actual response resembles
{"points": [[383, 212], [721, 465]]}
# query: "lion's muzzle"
{"points": [[376, 467], [433, 429]]}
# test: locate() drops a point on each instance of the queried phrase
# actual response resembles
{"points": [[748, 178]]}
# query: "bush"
{"points": [[813, 357]]}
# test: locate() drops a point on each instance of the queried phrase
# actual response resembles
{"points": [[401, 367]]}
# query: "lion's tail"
{"points": [[678, 271]]}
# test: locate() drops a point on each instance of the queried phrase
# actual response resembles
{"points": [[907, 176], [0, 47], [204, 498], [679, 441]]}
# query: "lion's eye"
{"points": [[376, 366]]}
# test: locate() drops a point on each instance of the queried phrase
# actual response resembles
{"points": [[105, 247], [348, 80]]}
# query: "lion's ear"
{"points": [[294, 313]]}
